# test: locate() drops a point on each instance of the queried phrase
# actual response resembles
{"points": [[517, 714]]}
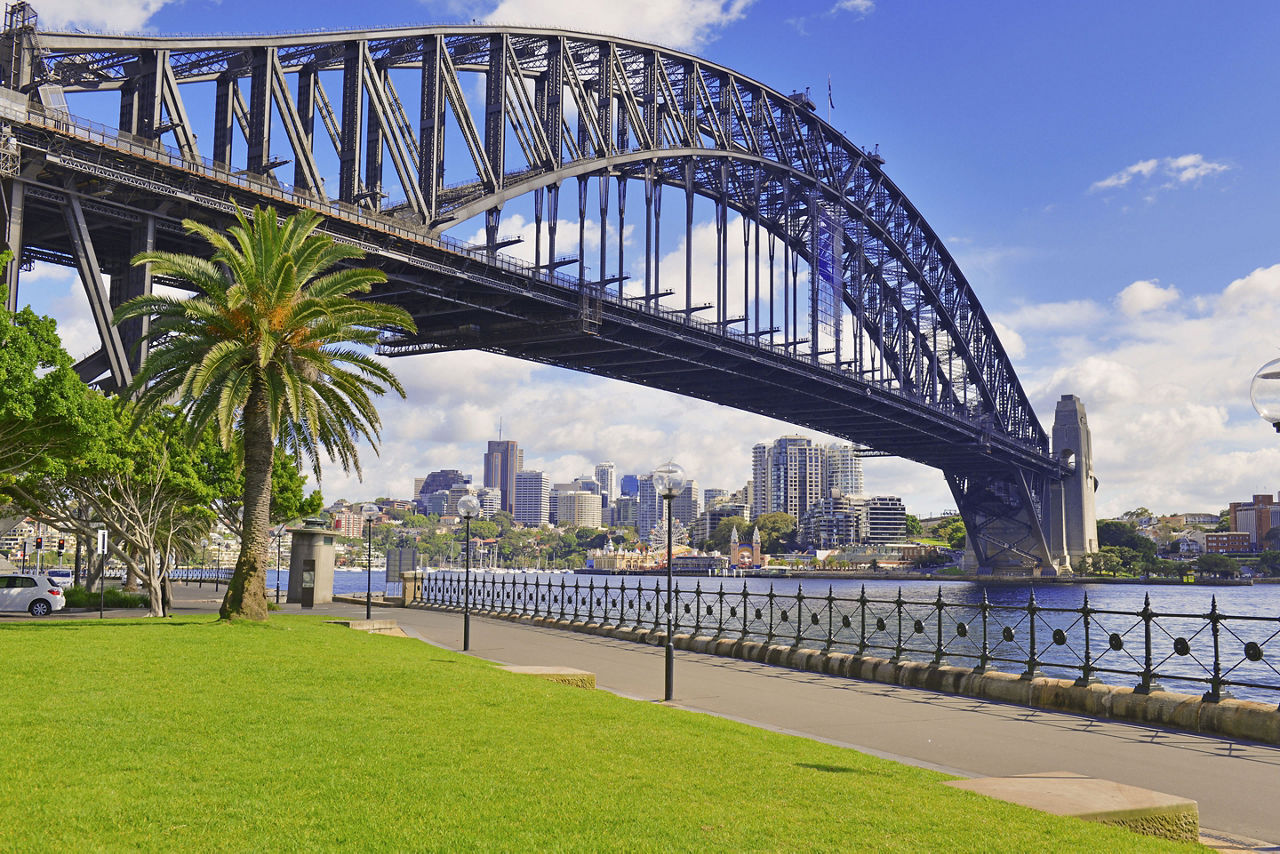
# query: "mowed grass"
{"points": [[298, 735]]}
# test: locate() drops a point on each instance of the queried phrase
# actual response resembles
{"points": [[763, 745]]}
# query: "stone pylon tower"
{"points": [[733, 545], [1073, 525]]}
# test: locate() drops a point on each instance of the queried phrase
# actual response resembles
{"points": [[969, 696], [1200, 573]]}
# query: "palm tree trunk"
{"points": [[246, 597]]}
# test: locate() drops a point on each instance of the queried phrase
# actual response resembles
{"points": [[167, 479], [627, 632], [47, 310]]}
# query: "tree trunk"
{"points": [[246, 597]]}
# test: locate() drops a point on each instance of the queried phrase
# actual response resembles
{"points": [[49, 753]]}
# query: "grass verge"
{"points": [[301, 735]]}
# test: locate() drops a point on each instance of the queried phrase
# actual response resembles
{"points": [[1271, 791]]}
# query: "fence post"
{"points": [[657, 606], [862, 612], [746, 602], [697, 605], [831, 607], [1033, 663], [536, 586], [1086, 670], [769, 636], [985, 656], [799, 613], [1148, 683], [1215, 692], [897, 604], [720, 610], [591, 600], [937, 649], [576, 597], [562, 597]]}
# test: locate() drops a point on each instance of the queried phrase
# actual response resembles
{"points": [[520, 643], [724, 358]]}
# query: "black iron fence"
{"points": [[1222, 654]]}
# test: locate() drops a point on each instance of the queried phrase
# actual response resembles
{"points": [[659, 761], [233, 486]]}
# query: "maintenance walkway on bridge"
{"points": [[1234, 782]]}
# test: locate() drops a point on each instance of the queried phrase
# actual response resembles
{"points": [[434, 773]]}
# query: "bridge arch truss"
{"points": [[843, 279]]}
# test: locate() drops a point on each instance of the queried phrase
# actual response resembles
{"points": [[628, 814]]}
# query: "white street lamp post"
{"points": [[468, 509], [370, 512], [668, 482]]}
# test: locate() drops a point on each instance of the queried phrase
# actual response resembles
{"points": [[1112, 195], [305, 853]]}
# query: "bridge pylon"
{"points": [[1074, 524]]}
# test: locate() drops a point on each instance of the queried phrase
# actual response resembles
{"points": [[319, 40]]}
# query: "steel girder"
{"points": [[587, 107]]}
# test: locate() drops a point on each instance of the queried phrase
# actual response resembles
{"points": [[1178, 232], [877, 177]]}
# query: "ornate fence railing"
{"points": [[1223, 654]]}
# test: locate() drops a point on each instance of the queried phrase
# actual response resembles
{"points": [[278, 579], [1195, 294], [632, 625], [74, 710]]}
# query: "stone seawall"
{"points": [[1242, 719]]}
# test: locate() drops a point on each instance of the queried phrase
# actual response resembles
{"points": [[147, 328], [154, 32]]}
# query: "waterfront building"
{"points": [[532, 499], [501, 462], [835, 521], [886, 519]]}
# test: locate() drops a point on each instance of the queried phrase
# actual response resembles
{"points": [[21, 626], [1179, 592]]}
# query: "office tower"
{"points": [[607, 477], [577, 508], [686, 506], [629, 484], [649, 508], [533, 498], [711, 496], [501, 462], [624, 511]]}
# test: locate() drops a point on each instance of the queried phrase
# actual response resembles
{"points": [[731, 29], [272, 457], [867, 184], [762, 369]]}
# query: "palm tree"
{"points": [[273, 349]]}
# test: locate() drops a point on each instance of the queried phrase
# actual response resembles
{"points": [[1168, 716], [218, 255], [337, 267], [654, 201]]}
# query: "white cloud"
{"points": [[862, 7], [1143, 296], [1167, 395], [1186, 169], [685, 24], [1066, 316], [106, 15]]}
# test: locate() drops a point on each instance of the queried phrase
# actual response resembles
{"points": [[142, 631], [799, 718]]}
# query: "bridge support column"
{"points": [[13, 237], [1074, 529], [1002, 510], [96, 290]]}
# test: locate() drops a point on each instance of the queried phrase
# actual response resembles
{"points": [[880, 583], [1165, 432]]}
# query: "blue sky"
{"points": [[1106, 174]]}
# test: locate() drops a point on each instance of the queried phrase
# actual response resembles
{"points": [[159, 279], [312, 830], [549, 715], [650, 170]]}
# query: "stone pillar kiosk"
{"points": [[311, 564]]}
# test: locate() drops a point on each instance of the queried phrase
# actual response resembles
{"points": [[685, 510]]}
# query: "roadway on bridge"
{"points": [[1233, 782]]}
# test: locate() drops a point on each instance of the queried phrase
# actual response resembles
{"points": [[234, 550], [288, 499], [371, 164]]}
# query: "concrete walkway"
{"points": [[1234, 782]]}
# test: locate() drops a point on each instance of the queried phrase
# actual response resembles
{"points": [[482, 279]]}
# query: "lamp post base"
{"points": [[671, 658]]}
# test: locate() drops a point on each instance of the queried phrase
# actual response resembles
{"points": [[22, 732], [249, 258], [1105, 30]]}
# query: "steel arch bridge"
{"points": [[844, 311]]}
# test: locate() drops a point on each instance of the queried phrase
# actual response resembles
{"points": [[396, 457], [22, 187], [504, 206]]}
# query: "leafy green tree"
{"points": [[1122, 534], [1216, 564], [777, 532], [914, 528], [43, 408], [724, 531], [265, 353], [1269, 562]]}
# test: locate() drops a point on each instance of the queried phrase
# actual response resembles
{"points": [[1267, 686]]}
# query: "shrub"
{"points": [[112, 597]]}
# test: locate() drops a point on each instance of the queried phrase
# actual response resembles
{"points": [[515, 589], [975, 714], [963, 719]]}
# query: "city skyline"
{"points": [[1105, 182]]}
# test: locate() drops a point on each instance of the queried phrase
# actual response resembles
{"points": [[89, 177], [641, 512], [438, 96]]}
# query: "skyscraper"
{"points": [[630, 484], [648, 505], [501, 463], [607, 477]]}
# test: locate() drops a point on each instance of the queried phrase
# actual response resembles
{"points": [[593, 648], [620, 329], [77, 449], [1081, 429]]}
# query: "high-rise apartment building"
{"points": [[533, 498], [789, 476], [843, 468], [607, 477], [835, 521], [501, 462]]}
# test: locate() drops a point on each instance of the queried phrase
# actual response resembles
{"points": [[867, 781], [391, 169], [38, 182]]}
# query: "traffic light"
{"points": [[62, 545], [39, 543]]}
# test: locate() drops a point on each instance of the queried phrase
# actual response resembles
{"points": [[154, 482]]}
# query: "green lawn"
{"points": [[197, 735]]}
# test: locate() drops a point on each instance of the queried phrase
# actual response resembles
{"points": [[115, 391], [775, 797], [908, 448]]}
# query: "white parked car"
{"points": [[38, 595], [60, 577]]}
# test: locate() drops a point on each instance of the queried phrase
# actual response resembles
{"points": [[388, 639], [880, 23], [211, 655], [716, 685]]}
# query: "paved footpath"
{"points": [[1234, 782]]}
